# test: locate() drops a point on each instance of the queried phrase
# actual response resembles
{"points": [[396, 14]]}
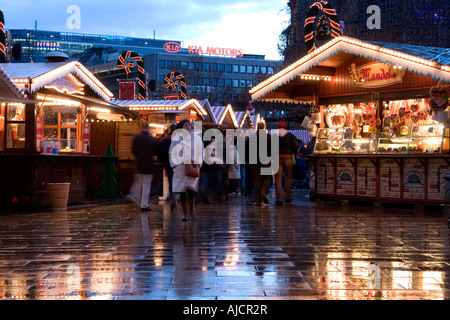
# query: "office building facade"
{"points": [[95, 49], [220, 75]]}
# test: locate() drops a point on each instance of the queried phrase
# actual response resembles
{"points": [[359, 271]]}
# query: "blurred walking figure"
{"points": [[234, 171], [186, 148], [163, 157], [262, 182], [144, 149], [288, 147]]}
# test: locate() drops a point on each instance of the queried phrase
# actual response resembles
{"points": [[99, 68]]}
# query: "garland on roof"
{"points": [[310, 28], [128, 67]]}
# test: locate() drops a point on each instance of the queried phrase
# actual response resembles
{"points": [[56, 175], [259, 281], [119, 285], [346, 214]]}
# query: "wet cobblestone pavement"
{"points": [[231, 250]]}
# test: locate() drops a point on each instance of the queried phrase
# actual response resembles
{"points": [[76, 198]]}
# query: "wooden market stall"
{"points": [[56, 134], [380, 119]]}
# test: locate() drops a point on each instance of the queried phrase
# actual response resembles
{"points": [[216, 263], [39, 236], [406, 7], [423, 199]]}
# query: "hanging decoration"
{"points": [[330, 15], [2, 38], [439, 98], [173, 79], [127, 67]]}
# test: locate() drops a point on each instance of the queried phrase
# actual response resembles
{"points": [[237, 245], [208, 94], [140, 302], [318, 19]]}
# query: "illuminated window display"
{"points": [[15, 126]]}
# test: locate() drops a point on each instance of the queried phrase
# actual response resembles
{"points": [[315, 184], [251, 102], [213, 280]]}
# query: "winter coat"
{"points": [[234, 171], [180, 152], [288, 142], [144, 148]]}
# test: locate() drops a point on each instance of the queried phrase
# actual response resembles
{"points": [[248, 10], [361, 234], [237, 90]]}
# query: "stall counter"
{"points": [[383, 178]]}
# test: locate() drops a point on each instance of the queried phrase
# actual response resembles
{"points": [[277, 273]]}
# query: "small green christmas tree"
{"points": [[109, 185]]}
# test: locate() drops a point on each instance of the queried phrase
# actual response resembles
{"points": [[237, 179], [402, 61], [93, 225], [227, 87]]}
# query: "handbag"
{"points": [[192, 170]]}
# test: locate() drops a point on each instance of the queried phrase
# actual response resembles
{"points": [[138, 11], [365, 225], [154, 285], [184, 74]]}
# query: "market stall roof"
{"points": [[46, 73], [325, 59], [9, 92], [220, 114], [160, 105]]}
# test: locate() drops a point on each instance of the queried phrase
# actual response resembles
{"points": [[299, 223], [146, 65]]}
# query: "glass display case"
{"points": [[421, 139], [426, 138], [393, 145], [358, 146], [329, 140]]}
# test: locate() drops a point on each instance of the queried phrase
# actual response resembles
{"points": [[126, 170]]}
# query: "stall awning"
{"points": [[160, 105], [9, 92], [328, 57], [91, 102], [46, 73]]}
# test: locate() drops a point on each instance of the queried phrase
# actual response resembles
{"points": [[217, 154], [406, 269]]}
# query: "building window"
{"points": [[243, 69], [242, 83], [207, 67], [184, 65], [214, 82], [214, 67], [235, 68], [221, 67], [257, 69], [228, 82], [15, 126], [249, 69], [206, 81], [229, 68], [199, 66], [221, 82], [235, 83], [270, 70], [263, 70], [191, 65], [169, 64], [162, 64]]}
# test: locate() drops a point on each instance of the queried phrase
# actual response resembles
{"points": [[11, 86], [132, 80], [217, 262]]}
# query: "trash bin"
{"points": [[59, 195]]}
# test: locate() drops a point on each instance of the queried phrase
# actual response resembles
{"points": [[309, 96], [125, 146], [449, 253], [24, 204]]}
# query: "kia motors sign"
{"points": [[216, 51], [172, 47]]}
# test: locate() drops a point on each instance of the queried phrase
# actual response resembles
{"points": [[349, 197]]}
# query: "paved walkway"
{"points": [[232, 250]]}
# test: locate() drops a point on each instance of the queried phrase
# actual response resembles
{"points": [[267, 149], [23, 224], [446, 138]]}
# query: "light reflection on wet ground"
{"points": [[232, 250]]}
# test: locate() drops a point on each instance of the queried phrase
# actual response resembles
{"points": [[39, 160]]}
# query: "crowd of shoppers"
{"points": [[202, 170]]}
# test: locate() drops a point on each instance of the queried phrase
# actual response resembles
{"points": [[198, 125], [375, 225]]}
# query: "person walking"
{"points": [[144, 149], [262, 182], [186, 148], [288, 147], [163, 157], [234, 171]]}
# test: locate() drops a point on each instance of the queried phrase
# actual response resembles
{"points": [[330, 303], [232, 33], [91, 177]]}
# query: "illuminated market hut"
{"points": [[57, 135], [380, 120]]}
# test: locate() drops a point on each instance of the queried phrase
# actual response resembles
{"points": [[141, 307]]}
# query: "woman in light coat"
{"points": [[186, 146]]}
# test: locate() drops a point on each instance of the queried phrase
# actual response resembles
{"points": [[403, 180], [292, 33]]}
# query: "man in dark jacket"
{"points": [[258, 159], [144, 148], [288, 147]]}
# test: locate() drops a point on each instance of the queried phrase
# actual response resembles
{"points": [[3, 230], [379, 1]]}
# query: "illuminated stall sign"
{"points": [[376, 75]]}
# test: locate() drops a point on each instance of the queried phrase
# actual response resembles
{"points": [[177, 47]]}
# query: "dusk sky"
{"points": [[253, 26]]}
